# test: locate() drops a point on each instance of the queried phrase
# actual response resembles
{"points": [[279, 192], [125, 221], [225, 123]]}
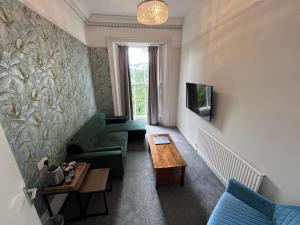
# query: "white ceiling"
{"points": [[177, 8]]}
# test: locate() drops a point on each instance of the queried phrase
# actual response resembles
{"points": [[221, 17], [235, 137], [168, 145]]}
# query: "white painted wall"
{"points": [[14, 210], [59, 13], [249, 51]]}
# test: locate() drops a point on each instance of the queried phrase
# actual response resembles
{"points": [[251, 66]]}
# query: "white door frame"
{"points": [[14, 208]]}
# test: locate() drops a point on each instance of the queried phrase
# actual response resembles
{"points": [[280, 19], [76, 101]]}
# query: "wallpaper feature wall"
{"points": [[46, 91], [101, 80]]}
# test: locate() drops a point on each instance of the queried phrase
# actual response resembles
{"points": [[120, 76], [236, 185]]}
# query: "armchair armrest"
{"points": [[116, 119], [292, 207], [251, 198]]}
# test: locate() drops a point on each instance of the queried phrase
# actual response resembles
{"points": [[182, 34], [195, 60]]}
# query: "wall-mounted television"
{"points": [[199, 99]]}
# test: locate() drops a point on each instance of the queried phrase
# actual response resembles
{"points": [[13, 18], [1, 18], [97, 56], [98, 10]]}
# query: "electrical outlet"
{"points": [[30, 195], [41, 163]]}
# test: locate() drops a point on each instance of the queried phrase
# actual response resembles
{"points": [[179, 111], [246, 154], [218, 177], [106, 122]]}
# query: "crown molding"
{"points": [[133, 25], [99, 18], [82, 14], [130, 22], [115, 21]]}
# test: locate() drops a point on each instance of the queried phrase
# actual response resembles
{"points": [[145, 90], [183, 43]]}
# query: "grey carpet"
{"points": [[135, 200]]}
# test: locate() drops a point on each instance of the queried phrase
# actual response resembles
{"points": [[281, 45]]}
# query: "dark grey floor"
{"points": [[135, 201]]}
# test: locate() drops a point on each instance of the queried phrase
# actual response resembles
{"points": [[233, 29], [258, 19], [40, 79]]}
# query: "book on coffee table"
{"points": [[161, 140]]}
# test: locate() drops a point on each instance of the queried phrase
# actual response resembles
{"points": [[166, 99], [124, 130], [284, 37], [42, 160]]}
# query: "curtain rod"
{"points": [[139, 44]]}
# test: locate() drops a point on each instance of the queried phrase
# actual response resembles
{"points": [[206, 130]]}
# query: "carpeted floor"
{"points": [[135, 200]]}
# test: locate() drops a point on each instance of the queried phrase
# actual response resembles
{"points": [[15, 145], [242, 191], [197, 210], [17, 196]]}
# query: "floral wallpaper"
{"points": [[101, 79], [46, 90]]}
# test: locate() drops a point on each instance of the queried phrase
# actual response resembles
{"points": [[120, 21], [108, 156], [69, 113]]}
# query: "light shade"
{"points": [[152, 12]]}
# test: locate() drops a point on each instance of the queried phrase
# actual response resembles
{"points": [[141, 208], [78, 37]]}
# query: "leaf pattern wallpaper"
{"points": [[46, 89], [101, 80]]}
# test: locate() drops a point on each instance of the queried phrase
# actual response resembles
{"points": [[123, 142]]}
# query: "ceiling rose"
{"points": [[152, 12]]}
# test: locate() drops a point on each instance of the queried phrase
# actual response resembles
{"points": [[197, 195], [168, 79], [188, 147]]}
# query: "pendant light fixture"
{"points": [[152, 12]]}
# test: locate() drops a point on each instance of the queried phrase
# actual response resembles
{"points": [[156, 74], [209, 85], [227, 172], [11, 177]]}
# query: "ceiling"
{"points": [[177, 8]]}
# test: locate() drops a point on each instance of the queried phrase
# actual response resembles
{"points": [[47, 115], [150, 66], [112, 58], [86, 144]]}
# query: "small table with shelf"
{"points": [[86, 181]]}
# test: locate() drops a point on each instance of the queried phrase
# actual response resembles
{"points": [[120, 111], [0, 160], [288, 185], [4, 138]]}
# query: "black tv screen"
{"points": [[199, 99]]}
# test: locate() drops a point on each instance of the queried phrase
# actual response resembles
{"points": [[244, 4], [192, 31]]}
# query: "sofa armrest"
{"points": [[110, 159], [93, 155], [116, 119], [251, 198]]}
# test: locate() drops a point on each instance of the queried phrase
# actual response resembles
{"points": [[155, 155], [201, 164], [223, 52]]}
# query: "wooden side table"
{"points": [[96, 182], [86, 181]]}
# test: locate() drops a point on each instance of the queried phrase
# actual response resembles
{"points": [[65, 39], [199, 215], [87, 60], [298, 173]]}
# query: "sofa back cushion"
{"points": [[87, 136], [250, 197]]}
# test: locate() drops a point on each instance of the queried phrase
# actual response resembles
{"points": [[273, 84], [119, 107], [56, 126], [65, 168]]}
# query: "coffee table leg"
{"points": [[156, 180], [105, 203], [182, 175]]}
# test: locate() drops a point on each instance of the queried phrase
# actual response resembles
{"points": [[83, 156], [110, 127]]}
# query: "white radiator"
{"points": [[225, 163]]}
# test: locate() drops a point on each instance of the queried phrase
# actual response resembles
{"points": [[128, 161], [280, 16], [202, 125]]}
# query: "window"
{"points": [[139, 74]]}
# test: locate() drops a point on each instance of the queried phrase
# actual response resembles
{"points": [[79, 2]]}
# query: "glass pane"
{"points": [[139, 66]]}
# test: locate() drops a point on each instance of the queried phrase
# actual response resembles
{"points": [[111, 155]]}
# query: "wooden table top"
{"points": [[95, 181], [166, 155], [80, 174]]}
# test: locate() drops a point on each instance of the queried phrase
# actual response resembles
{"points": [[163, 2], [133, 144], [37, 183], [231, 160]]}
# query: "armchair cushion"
{"points": [[239, 205], [232, 211], [286, 215], [250, 197]]}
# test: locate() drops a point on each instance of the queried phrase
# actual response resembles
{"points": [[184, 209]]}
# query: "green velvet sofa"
{"points": [[103, 143]]}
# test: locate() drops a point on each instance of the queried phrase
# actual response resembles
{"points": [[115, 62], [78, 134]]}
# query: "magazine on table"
{"points": [[161, 140]]}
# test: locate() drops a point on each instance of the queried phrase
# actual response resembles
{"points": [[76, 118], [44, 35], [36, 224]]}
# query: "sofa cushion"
{"points": [[87, 136], [112, 139], [130, 125], [232, 211], [99, 122], [285, 215]]}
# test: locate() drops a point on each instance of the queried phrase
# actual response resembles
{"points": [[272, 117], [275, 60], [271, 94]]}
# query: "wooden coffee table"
{"points": [[168, 164]]}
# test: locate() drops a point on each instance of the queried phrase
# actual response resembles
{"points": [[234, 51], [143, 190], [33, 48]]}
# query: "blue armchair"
{"points": [[239, 205]]}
